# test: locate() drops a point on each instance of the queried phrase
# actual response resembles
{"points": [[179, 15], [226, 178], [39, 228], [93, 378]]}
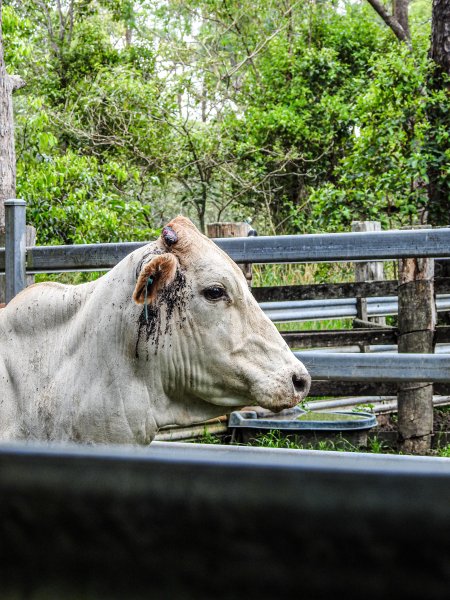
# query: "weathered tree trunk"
{"points": [[400, 10], [440, 35], [438, 187], [438, 117], [416, 324], [7, 151]]}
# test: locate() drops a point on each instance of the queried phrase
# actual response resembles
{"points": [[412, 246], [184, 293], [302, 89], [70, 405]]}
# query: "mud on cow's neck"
{"points": [[157, 320]]}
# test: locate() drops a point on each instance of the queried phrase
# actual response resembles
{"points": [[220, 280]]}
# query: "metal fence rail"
{"points": [[315, 310], [349, 366], [330, 247], [339, 247], [193, 522]]}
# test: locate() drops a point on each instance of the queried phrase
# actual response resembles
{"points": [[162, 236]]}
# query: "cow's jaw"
{"points": [[253, 366]]}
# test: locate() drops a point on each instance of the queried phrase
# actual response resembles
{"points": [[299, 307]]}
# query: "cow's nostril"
{"points": [[301, 383]]}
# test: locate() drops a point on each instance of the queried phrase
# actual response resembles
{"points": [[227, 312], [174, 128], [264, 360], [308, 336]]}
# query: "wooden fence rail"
{"points": [[337, 291], [353, 337]]}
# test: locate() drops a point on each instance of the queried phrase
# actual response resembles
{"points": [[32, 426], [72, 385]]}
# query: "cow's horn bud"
{"points": [[169, 235]]}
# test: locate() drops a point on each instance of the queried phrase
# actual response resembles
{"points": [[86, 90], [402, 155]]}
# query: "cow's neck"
{"points": [[135, 359], [167, 366]]}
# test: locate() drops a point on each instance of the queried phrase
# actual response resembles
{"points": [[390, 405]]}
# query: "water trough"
{"points": [[302, 425]]}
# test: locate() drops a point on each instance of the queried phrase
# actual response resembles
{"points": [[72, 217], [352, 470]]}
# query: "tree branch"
{"points": [[390, 21], [264, 43]]}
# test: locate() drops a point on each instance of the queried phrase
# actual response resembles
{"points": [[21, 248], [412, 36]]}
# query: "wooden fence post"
{"points": [[416, 324], [367, 271], [226, 230], [31, 241]]}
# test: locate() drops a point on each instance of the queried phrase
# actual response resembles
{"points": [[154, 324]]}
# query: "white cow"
{"points": [[171, 335]]}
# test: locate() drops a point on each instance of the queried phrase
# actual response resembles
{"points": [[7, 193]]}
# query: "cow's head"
{"points": [[199, 312]]}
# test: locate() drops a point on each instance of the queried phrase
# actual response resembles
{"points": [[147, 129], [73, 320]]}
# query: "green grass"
{"points": [[325, 325], [276, 439], [73, 278], [209, 438], [443, 451], [301, 274]]}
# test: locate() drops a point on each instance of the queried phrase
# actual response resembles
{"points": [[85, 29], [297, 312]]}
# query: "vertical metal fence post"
{"points": [[15, 247]]}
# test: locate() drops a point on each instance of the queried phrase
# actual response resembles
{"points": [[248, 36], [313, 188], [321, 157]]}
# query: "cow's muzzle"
{"points": [[285, 389]]}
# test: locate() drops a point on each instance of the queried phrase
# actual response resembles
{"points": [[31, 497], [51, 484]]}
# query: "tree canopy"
{"points": [[301, 116]]}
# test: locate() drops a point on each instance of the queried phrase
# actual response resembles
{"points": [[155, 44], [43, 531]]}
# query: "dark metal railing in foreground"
{"points": [[201, 522]]}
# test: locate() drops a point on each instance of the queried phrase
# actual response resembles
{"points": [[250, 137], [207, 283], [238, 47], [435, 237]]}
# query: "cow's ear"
{"points": [[156, 274]]}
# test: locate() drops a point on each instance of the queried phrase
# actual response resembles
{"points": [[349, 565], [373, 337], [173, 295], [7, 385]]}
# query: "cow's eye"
{"points": [[214, 293]]}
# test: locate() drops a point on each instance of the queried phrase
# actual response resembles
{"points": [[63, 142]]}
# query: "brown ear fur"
{"points": [[163, 269]]}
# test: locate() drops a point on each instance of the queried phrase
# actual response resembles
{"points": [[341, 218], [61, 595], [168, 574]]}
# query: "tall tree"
{"points": [[8, 84], [438, 116]]}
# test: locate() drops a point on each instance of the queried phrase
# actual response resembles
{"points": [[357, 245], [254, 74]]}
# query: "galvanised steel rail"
{"points": [[349, 366], [198, 522], [338, 247], [315, 310], [329, 247]]}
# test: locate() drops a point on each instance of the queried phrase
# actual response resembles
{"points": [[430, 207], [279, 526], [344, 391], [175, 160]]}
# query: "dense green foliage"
{"points": [[300, 116]]}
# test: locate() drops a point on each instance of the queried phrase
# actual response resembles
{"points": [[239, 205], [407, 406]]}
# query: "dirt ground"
{"points": [[387, 428], [441, 421]]}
